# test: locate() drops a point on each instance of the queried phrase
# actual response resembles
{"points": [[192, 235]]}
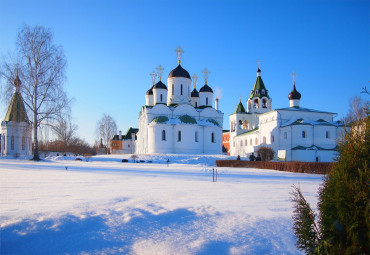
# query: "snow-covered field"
{"points": [[104, 206]]}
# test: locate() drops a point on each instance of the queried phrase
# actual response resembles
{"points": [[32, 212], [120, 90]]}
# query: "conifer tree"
{"points": [[343, 220]]}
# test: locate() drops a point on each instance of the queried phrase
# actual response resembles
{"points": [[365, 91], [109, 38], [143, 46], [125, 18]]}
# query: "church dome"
{"points": [[160, 85], [150, 91], [206, 88], [294, 94], [179, 72], [195, 93]]}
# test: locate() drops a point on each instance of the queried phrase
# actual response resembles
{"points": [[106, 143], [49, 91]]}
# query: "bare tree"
{"points": [[65, 130], [41, 66], [106, 128]]}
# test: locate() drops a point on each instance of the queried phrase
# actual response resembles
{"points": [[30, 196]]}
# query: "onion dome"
{"points": [[206, 88], [150, 91], [294, 94], [160, 85], [179, 72], [195, 93]]}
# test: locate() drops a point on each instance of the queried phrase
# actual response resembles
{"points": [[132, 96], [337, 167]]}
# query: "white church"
{"points": [[16, 132], [294, 133], [178, 120]]}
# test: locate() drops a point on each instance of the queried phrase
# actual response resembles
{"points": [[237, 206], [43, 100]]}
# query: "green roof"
{"points": [[259, 89], [240, 108], [249, 131], [187, 119], [16, 111], [213, 122], [160, 119]]}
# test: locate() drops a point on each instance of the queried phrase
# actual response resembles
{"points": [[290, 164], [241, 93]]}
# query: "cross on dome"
{"points": [[153, 75], [159, 71], [205, 75], [195, 78], [294, 74], [179, 53], [258, 63]]}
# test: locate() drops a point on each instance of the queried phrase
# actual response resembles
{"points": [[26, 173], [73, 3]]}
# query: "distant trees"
{"points": [[342, 224], [41, 66], [106, 128], [266, 153]]}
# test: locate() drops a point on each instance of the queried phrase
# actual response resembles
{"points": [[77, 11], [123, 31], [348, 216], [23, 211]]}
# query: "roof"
{"points": [[179, 72], [294, 94], [240, 108], [160, 85], [150, 91], [206, 88], [259, 89], [312, 147], [127, 136], [319, 122], [249, 131], [194, 93], [16, 111], [297, 108]]}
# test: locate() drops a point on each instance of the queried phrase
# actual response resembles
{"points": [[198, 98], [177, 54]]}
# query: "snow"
{"points": [[104, 206]]}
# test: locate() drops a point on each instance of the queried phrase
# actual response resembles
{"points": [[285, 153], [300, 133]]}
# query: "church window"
{"points": [[303, 134], [285, 135], [263, 92], [206, 100], [256, 91], [251, 142], [255, 105], [241, 143], [23, 143], [233, 143], [246, 142], [264, 103], [196, 104], [179, 136], [161, 97], [12, 142], [163, 135], [256, 141], [240, 124], [128, 146], [173, 89], [181, 89], [273, 138], [327, 134], [264, 139], [196, 137], [245, 124], [213, 137]]}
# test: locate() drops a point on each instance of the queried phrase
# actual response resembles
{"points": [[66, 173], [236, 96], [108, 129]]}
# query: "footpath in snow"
{"points": [[104, 206]]}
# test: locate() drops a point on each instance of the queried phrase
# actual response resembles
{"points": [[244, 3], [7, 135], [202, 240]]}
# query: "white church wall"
{"points": [[187, 144], [160, 96], [16, 139], [175, 96], [185, 109], [194, 101], [155, 135], [149, 100], [206, 99], [215, 146]]}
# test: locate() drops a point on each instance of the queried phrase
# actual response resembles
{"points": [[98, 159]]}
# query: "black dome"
{"points": [[160, 85], [179, 72], [150, 91], [294, 94], [206, 88], [195, 93]]}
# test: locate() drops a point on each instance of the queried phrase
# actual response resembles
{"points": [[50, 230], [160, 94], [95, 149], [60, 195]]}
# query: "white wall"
{"points": [[174, 96]]}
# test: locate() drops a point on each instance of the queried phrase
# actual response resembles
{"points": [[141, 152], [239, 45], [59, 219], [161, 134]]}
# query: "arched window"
{"points": [[303, 134], [196, 104], [251, 142], [246, 142], [255, 104], [241, 143], [12, 142], [240, 124], [256, 141], [263, 91], [161, 97], [264, 139], [264, 103], [181, 89], [327, 134], [213, 137], [273, 138], [23, 143], [173, 89], [179, 136], [245, 124], [196, 136], [206, 100], [163, 135]]}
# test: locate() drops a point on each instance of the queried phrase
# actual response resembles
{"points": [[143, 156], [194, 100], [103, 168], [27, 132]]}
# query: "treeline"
{"points": [[76, 146]]}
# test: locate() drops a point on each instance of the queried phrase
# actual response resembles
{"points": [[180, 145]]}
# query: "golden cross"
{"points": [[294, 74], [240, 98], [159, 71], [179, 53], [206, 74], [153, 74], [195, 78], [258, 63]]}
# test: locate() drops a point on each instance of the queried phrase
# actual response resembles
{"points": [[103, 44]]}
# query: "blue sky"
{"points": [[112, 46]]}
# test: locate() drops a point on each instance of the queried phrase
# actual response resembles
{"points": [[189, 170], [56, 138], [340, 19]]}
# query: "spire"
{"points": [[195, 78], [160, 72], [259, 89], [153, 75], [17, 82], [16, 111], [240, 108], [258, 68], [179, 54], [205, 75]]}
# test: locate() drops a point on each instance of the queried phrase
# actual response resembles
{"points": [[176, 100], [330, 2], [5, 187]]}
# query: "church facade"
{"points": [[178, 120], [294, 133], [16, 132]]}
